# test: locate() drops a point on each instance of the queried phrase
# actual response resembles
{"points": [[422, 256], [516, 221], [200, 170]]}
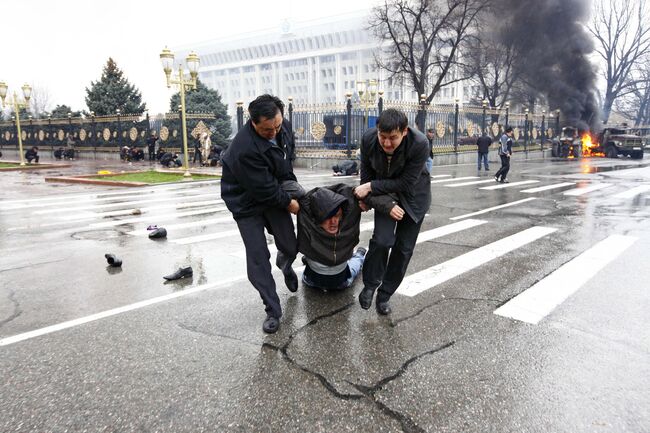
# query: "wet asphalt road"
{"points": [[190, 356]]}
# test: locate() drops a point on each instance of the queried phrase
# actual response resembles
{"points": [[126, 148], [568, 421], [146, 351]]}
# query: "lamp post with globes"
{"points": [[367, 91], [17, 105], [192, 61]]}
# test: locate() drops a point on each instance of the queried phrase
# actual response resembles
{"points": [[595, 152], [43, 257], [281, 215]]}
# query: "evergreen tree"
{"points": [[61, 112], [113, 91], [205, 100]]}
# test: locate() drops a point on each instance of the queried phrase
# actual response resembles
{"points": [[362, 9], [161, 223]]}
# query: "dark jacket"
{"points": [[31, 154], [253, 169], [405, 174], [484, 142]]}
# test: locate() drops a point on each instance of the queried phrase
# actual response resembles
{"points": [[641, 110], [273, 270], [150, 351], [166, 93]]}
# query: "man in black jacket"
{"points": [[393, 158], [483, 143], [32, 154], [255, 165], [328, 231]]}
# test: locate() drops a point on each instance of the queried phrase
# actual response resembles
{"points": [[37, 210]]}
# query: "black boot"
{"points": [[290, 277], [271, 325], [113, 261], [180, 273], [383, 307], [365, 297], [158, 233]]}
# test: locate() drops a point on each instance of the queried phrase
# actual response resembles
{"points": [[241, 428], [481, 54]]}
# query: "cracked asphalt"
{"points": [[134, 354]]}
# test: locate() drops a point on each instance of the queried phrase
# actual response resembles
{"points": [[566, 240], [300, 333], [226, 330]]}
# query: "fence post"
{"points": [[422, 112], [380, 103], [507, 113], [485, 102], [94, 136], [291, 110], [119, 130], [526, 132], [456, 126], [541, 146], [240, 115], [557, 122], [50, 135], [348, 123]]}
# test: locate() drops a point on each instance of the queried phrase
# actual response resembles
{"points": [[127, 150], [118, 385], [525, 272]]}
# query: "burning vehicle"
{"points": [[610, 143]]}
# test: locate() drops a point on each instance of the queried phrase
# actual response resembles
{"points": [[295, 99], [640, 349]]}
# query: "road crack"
{"points": [[395, 323], [17, 310]]}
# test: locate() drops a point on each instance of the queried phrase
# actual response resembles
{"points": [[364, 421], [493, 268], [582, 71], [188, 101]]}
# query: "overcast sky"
{"points": [[62, 46]]}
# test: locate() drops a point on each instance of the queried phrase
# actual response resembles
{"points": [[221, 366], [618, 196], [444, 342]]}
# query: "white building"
{"points": [[315, 62]]}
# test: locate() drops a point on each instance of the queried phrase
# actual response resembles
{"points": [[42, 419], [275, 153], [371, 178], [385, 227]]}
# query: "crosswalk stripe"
{"points": [[538, 301], [199, 223], [476, 182], [454, 179], [448, 229], [509, 185], [202, 238], [93, 215], [547, 187], [424, 280], [490, 209], [586, 189], [437, 176], [124, 203], [156, 218], [633, 192]]}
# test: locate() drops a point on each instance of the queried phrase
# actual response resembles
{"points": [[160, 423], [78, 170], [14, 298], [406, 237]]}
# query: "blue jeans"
{"points": [[484, 157], [354, 265], [429, 164]]}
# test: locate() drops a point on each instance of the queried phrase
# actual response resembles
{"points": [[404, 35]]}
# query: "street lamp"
{"points": [[485, 104], [192, 61], [367, 91], [17, 105]]}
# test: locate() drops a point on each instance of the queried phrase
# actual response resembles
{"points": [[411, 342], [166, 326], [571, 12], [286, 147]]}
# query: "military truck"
{"points": [[568, 144], [615, 141]]}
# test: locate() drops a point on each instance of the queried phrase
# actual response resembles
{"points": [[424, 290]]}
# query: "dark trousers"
{"points": [[505, 167], [152, 154], [381, 269], [279, 224], [197, 156]]}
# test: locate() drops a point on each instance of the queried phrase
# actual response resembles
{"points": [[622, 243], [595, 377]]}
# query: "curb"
{"points": [[39, 166]]}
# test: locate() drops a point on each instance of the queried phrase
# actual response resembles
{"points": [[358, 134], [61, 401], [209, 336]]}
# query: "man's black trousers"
{"points": [[385, 270], [279, 224], [505, 167]]}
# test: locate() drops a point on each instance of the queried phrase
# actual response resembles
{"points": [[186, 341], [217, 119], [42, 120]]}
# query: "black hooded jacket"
{"points": [[253, 169], [405, 174]]}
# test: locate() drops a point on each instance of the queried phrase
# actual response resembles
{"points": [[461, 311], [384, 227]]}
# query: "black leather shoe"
{"points": [[365, 298], [158, 233], [291, 280], [383, 308], [271, 325], [180, 273], [113, 261]]}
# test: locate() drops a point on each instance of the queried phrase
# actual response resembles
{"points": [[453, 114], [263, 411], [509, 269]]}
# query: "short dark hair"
{"points": [[266, 106], [430, 130], [509, 129], [391, 119]]}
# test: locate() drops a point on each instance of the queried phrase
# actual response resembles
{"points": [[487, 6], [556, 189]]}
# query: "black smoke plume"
{"points": [[551, 37]]}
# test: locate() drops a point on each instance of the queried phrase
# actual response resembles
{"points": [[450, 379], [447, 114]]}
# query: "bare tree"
{"points": [[40, 101], [636, 104], [623, 38], [422, 40]]}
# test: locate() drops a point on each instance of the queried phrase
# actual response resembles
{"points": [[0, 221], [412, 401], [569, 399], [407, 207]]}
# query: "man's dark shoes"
{"points": [[158, 233], [362, 251], [271, 325], [113, 261], [497, 178], [180, 273], [383, 307], [291, 280], [365, 298]]}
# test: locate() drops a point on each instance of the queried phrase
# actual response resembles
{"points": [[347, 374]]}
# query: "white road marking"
{"points": [[424, 280], [537, 302], [631, 193], [448, 229], [490, 209], [436, 176], [586, 189], [166, 198], [93, 215], [547, 187], [508, 185], [203, 238], [454, 179], [476, 182], [205, 222], [156, 218]]}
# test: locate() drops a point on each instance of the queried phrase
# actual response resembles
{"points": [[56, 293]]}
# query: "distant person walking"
{"points": [[483, 143], [505, 152]]}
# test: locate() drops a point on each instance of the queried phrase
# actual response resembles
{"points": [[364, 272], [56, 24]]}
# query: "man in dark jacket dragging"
{"points": [[259, 159], [393, 158]]}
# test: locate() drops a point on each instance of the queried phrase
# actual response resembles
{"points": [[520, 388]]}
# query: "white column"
{"points": [[338, 87], [258, 88], [318, 98]]}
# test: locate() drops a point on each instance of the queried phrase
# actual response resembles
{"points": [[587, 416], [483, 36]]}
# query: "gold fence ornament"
{"points": [[495, 129], [164, 133], [82, 134], [318, 130], [60, 134], [440, 129], [106, 134], [133, 133]]}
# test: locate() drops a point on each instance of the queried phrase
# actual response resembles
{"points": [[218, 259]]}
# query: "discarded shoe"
{"points": [[365, 298], [158, 233], [152, 227], [383, 308], [136, 212], [291, 280], [271, 325], [180, 273], [113, 261]]}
